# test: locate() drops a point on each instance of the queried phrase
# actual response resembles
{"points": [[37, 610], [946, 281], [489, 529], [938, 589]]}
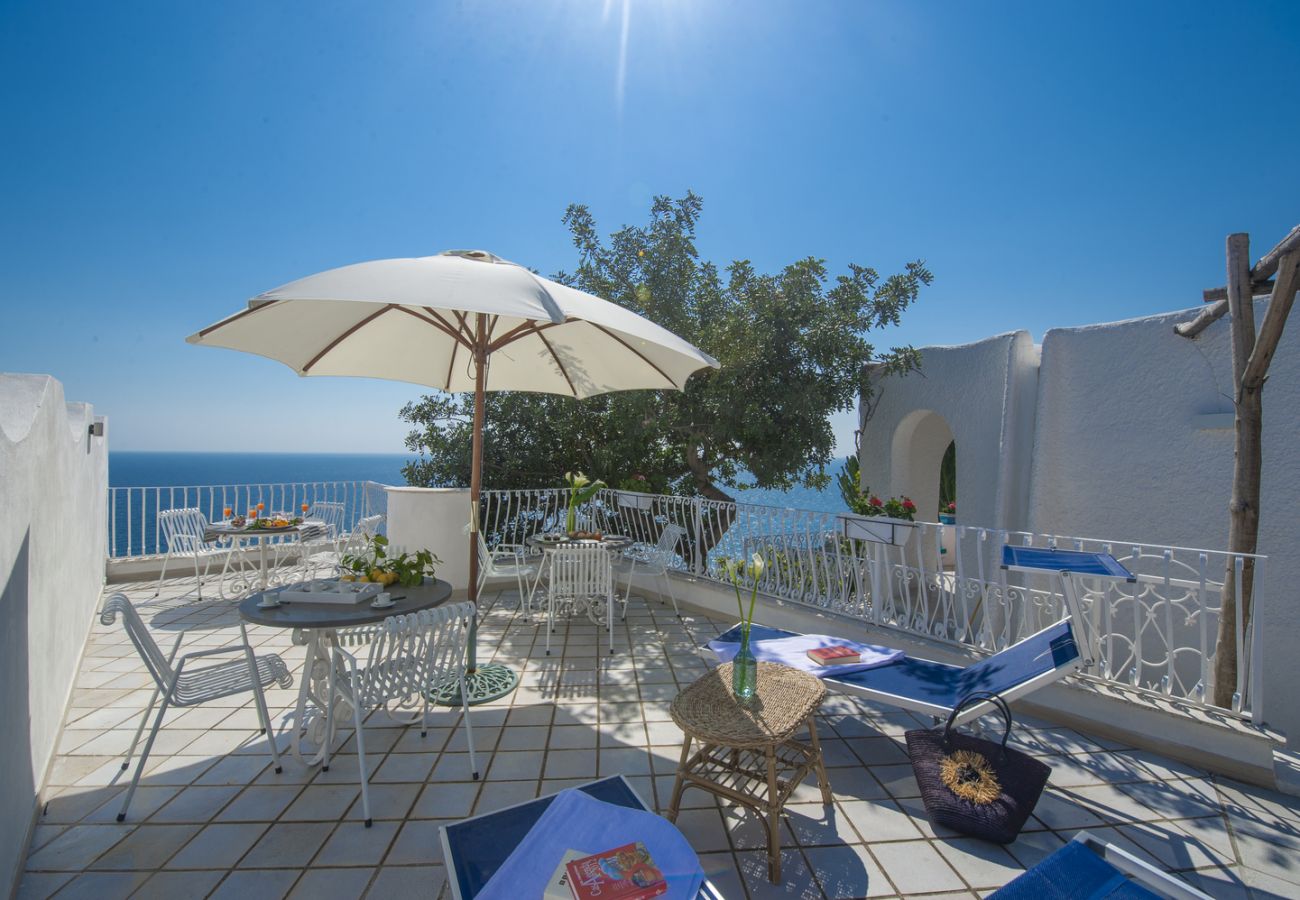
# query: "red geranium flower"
{"points": [[875, 501], [908, 504]]}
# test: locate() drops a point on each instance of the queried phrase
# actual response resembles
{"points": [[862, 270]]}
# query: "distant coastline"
{"points": [[167, 468]]}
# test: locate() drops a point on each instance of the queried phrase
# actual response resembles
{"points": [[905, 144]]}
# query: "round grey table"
{"points": [[614, 543], [316, 626], [609, 541]]}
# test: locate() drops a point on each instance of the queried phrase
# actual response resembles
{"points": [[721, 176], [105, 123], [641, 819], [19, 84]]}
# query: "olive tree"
{"points": [[793, 345]]}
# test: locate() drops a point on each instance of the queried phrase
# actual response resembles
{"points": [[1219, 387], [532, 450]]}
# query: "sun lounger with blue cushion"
{"points": [[934, 688], [1090, 869]]}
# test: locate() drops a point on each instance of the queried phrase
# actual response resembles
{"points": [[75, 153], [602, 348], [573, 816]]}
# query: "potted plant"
{"points": [[634, 492], [948, 513], [375, 563], [880, 521]]}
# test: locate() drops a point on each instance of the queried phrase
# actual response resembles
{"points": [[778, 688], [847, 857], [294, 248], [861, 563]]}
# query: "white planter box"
{"points": [[633, 500], [878, 529]]}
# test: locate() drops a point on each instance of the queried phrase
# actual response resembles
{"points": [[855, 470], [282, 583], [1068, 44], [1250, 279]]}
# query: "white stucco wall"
{"points": [[984, 393], [1130, 445], [433, 519], [1120, 431], [53, 491]]}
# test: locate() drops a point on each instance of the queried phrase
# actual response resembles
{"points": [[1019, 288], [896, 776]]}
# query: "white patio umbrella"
{"points": [[459, 321]]}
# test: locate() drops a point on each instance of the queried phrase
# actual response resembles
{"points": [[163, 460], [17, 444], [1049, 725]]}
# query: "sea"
{"points": [[139, 468]]}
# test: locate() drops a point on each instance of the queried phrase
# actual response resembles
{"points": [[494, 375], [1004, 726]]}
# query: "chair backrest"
{"points": [[150, 653], [581, 572], [417, 653], [669, 538], [361, 534], [1053, 650], [182, 529], [485, 558], [330, 513]]}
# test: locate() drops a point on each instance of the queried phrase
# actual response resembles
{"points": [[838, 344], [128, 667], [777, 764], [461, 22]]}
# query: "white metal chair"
{"points": [[331, 515], [581, 576], [182, 531], [412, 659], [656, 559], [180, 685], [353, 542], [508, 561]]}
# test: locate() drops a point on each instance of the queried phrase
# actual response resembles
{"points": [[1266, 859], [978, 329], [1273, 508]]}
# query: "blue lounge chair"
{"points": [[1090, 869], [935, 688], [476, 847]]}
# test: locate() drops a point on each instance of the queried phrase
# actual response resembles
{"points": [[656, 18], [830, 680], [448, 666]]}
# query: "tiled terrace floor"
{"points": [[212, 819]]}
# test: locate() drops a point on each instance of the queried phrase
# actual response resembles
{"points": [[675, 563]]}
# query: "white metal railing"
{"points": [[943, 582], [133, 511]]}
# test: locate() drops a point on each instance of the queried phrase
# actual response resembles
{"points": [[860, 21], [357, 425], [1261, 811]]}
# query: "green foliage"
{"points": [[850, 481], [948, 479], [374, 558], [581, 490], [859, 499], [793, 350], [739, 571]]}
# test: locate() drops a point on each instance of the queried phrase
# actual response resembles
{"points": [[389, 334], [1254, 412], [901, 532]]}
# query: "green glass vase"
{"points": [[744, 672]]}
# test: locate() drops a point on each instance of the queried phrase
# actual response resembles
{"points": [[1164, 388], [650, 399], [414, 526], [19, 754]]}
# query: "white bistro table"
{"points": [[241, 585]]}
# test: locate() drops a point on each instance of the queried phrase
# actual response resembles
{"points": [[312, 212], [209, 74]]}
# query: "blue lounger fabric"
{"points": [[1101, 565], [480, 845], [943, 685], [1073, 873]]}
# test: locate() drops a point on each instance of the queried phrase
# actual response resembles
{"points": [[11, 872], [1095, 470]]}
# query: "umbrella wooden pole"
{"points": [[493, 680], [476, 474]]}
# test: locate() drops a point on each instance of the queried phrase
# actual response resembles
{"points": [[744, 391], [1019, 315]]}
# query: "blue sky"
{"points": [[162, 162]]}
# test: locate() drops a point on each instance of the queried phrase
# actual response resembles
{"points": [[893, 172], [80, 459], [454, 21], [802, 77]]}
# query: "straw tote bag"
{"points": [[972, 785]]}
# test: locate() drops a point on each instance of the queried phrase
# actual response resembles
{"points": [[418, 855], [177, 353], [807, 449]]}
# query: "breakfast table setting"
{"points": [[267, 532]]}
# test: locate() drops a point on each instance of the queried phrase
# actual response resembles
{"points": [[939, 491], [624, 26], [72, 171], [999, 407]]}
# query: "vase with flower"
{"points": [[581, 490], [744, 667]]}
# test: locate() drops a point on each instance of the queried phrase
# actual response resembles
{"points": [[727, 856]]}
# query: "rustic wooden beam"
{"points": [[1243, 507], [1262, 271], [1203, 320], [1270, 330], [1257, 289]]}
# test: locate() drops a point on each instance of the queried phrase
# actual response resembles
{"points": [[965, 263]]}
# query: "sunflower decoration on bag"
{"points": [[969, 775]]}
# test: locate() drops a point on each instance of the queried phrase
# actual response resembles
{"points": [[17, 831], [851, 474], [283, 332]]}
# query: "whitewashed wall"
{"points": [[53, 490], [984, 394], [1119, 431]]}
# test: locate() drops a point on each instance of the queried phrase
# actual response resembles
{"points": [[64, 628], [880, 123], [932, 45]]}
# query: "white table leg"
{"points": [[314, 728]]}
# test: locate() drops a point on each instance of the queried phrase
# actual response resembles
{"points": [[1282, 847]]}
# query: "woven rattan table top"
{"points": [[709, 712]]}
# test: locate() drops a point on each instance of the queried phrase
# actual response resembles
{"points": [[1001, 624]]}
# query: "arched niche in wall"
{"points": [[916, 453]]}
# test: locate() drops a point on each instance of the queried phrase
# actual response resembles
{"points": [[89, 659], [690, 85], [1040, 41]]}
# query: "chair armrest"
{"points": [[513, 552], [215, 651]]}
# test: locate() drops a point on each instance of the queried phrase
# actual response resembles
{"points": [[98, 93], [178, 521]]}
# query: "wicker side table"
{"points": [[748, 754]]}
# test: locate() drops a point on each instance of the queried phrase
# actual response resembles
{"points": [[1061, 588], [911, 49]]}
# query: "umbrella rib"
{"points": [[239, 315], [451, 363], [347, 334], [639, 354], [521, 331], [464, 327], [437, 322], [548, 346]]}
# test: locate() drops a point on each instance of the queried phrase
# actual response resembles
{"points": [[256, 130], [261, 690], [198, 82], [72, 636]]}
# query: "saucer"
{"points": [[265, 605], [375, 604]]}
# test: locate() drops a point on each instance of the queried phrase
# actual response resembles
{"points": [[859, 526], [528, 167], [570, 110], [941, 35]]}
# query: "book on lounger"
{"points": [[834, 656], [623, 873]]}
